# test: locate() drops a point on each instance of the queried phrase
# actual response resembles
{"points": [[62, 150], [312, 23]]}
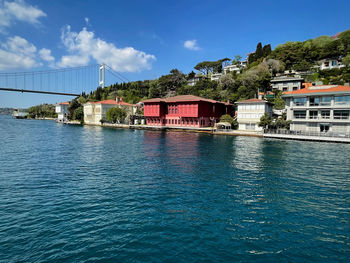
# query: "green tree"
{"points": [[79, 114], [114, 115], [346, 60], [265, 121], [226, 118], [266, 50], [73, 105], [236, 59], [259, 51]]}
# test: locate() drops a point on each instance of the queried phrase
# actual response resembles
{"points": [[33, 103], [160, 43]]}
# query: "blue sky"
{"points": [[146, 39]]}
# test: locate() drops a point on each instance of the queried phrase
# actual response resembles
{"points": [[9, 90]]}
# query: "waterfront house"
{"points": [[62, 111], [287, 83], [249, 113], [323, 108], [184, 111], [94, 112]]}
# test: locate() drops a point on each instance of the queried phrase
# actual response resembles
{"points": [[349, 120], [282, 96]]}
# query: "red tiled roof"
{"points": [[112, 102], [252, 101], [181, 98], [63, 103], [320, 89]]}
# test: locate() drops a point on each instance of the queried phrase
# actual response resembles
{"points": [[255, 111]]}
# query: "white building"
{"points": [[249, 113], [231, 68], [215, 76], [330, 63], [285, 83], [319, 109], [94, 112], [62, 111], [195, 79]]}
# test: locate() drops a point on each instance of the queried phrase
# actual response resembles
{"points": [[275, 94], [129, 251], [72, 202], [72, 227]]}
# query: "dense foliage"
{"points": [[303, 55], [115, 115], [42, 111], [264, 63]]}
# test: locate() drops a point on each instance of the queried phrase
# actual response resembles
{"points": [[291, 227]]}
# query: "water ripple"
{"points": [[88, 194]]}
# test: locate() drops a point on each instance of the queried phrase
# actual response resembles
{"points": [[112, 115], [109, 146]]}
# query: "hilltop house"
{"points": [[62, 111], [195, 79], [184, 111], [330, 63], [94, 112], [249, 113], [286, 83], [323, 108]]}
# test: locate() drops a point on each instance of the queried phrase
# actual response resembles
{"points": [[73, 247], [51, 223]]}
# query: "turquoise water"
{"points": [[88, 194]]}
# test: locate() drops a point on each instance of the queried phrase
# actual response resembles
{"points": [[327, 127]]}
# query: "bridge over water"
{"points": [[64, 81]]}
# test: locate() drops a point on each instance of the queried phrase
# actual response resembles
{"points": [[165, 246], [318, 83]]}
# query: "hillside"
{"points": [[6, 111], [264, 63]]}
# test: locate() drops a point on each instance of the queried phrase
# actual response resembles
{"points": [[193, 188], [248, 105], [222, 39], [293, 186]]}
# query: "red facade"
{"points": [[185, 111]]}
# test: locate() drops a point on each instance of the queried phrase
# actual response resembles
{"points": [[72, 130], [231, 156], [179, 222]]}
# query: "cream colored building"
{"points": [[249, 113], [94, 112]]}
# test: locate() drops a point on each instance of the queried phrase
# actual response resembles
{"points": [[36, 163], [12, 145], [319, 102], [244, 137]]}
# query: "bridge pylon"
{"points": [[101, 75]]}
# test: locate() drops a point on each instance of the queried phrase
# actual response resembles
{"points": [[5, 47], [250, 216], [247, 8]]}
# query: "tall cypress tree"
{"points": [[259, 51], [266, 50]]}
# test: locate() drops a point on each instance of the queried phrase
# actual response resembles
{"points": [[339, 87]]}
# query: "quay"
{"points": [[319, 137]]}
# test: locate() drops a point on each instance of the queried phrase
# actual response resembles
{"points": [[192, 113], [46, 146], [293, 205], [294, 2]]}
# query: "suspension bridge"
{"points": [[64, 81]]}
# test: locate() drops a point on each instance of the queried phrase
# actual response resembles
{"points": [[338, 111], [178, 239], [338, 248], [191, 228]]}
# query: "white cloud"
{"points": [[18, 10], [17, 53], [84, 46], [45, 54], [87, 21], [191, 44]]}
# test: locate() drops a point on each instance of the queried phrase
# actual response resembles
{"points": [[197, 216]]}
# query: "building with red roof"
{"points": [[62, 111], [323, 108], [184, 111], [249, 113], [94, 112]]}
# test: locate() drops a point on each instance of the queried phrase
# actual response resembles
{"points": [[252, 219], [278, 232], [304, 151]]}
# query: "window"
{"points": [[250, 126], [187, 122], [342, 100], [313, 114], [334, 63], [285, 89], [191, 122], [325, 114], [300, 101], [326, 64], [341, 114], [196, 122], [300, 114], [325, 101], [314, 101], [295, 88]]}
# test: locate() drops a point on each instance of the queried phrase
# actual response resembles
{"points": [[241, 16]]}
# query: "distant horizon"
{"points": [[142, 40]]}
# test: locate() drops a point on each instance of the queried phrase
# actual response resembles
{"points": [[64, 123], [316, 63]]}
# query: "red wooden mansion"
{"points": [[184, 111]]}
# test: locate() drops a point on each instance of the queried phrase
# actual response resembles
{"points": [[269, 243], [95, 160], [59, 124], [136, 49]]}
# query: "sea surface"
{"points": [[92, 194]]}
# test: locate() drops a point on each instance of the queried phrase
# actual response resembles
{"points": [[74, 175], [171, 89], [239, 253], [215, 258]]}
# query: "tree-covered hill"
{"points": [[264, 63]]}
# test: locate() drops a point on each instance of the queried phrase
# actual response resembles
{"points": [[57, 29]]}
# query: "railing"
{"points": [[309, 133]]}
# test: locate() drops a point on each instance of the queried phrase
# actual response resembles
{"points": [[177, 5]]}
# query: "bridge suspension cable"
{"points": [[63, 81]]}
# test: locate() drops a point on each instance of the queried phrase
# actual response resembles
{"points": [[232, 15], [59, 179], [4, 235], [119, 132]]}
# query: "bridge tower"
{"points": [[101, 75]]}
